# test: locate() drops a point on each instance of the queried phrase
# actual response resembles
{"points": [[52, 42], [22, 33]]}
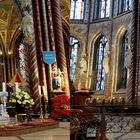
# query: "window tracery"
{"points": [[73, 55], [100, 71], [77, 9], [22, 65], [123, 6], [102, 9]]}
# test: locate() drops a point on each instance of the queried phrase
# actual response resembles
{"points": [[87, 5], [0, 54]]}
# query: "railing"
{"points": [[113, 118]]}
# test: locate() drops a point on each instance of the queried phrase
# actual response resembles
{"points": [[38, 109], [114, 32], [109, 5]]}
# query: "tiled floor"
{"points": [[124, 136], [61, 133]]}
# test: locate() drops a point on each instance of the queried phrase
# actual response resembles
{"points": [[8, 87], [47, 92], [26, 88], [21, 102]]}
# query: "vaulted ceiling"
{"points": [[65, 12], [9, 24]]}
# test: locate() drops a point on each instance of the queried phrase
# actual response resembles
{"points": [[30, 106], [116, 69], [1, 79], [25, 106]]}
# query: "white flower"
{"points": [[26, 96], [31, 100], [27, 101], [19, 101], [19, 90]]}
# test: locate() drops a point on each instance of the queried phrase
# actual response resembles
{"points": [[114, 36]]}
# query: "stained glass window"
{"points": [[124, 5], [102, 9], [100, 72], [22, 61], [77, 9], [123, 61], [73, 58]]}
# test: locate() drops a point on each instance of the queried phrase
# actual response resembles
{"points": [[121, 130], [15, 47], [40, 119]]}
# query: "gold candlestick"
{"points": [[41, 112]]}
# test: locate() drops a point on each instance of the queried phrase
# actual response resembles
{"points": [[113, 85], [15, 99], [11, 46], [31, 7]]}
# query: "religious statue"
{"points": [[106, 63], [83, 64], [27, 24], [28, 29], [57, 78], [26, 5]]}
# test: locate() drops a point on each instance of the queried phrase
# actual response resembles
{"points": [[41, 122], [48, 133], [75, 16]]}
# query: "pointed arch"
{"points": [[96, 70], [2, 49], [14, 38], [120, 71]]}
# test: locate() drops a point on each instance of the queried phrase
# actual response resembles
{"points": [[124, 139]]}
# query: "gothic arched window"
{"points": [[73, 55], [77, 9], [22, 65], [102, 9], [122, 70], [124, 5], [99, 54]]}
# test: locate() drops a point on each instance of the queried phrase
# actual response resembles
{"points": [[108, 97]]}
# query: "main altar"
{"points": [[19, 123]]}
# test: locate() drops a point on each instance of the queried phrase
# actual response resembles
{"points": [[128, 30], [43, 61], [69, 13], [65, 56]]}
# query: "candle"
{"points": [[43, 90], [16, 86], [39, 88], [3, 86]]}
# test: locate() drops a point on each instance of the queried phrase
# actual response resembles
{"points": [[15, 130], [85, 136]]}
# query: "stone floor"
{"points": [[135, 135], [61, 133]]}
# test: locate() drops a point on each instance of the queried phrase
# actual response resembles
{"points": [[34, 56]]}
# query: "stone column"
{"points": [[131, 82], [34, 77], [60, 50], [137, 52], [108, 80], [12, 66], [46, 42], [51, 28], [29, 41], [26, 59], [39, 43], [8, 67]]}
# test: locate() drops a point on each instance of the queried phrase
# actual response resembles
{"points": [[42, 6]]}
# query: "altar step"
{"points": [[30, 127]]}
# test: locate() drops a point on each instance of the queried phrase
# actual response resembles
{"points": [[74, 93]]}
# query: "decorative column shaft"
{"points": [[26, 59], [8, 67], [137, 74], [4, 69], [108, 75], [60, 52], [28, 40], [12, 66], [131, 82], [34, 77], [47, 42], [51, 28], [39, 42]]}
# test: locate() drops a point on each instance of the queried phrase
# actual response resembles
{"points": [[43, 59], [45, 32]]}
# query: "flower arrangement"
{"points": [[60, 107], [22, 98]]}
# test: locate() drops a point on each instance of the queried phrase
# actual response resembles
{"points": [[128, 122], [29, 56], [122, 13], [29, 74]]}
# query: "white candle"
{"points": [[16, 86], [39, 88], [44, 92], [3, 86]]}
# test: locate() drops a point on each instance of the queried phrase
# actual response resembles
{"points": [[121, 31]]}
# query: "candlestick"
{"points": [[16, 86], [41, 111], [3, 86]]}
